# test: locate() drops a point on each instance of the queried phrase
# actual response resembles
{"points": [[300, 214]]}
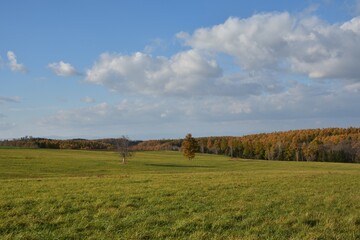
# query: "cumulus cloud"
{"points": [[275, 58], [13, 64], [256, 42], [63, 69], [268, 48], [265, 46], [142, 73], [281, 41]]}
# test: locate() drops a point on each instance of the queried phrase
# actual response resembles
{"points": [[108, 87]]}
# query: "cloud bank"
{"points": [[285, 70], [265, 47]]}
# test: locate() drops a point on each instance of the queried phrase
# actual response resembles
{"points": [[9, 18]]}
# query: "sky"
{"points": [[152, 69]]}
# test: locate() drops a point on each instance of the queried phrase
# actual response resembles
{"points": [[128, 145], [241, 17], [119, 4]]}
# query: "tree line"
{"points": [[83, 144], [325, 145]]}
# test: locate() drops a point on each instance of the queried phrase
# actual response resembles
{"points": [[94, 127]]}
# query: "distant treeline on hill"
{"points": [[83, 144], [325, 145]]}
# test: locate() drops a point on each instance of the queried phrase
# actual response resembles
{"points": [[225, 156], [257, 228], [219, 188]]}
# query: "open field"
{"points": [[63, 194]]}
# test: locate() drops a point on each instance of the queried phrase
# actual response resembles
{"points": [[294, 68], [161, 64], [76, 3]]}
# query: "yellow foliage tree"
{"points": [[189, 146]]}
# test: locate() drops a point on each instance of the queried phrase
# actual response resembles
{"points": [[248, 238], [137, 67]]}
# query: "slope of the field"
{"points": [[60, 194]]}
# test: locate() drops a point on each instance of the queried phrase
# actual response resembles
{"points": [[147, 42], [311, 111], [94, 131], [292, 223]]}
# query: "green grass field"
{"points": [[63, 194]]}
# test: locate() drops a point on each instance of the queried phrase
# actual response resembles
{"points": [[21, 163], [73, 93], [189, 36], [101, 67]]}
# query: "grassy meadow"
{"points": [[65, 194]]}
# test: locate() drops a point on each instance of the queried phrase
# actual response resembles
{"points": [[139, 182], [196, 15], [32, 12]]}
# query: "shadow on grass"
{"points": [[177, 166]]}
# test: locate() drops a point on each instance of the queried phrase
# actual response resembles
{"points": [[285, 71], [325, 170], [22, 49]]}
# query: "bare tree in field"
{"points": [[123, 147]]}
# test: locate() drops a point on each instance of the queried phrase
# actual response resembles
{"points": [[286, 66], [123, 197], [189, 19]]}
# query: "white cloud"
{"points": [[280, 41], [183, 73], [88, 99], [13, 64], [63, 69]]}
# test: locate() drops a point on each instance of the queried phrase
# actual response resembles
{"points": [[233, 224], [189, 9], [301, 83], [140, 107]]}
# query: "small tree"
{"points": [[123, 147], [189, 146]]}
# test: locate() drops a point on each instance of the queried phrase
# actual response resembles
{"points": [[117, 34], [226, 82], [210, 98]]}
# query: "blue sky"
{"points": [[161, 69]]}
